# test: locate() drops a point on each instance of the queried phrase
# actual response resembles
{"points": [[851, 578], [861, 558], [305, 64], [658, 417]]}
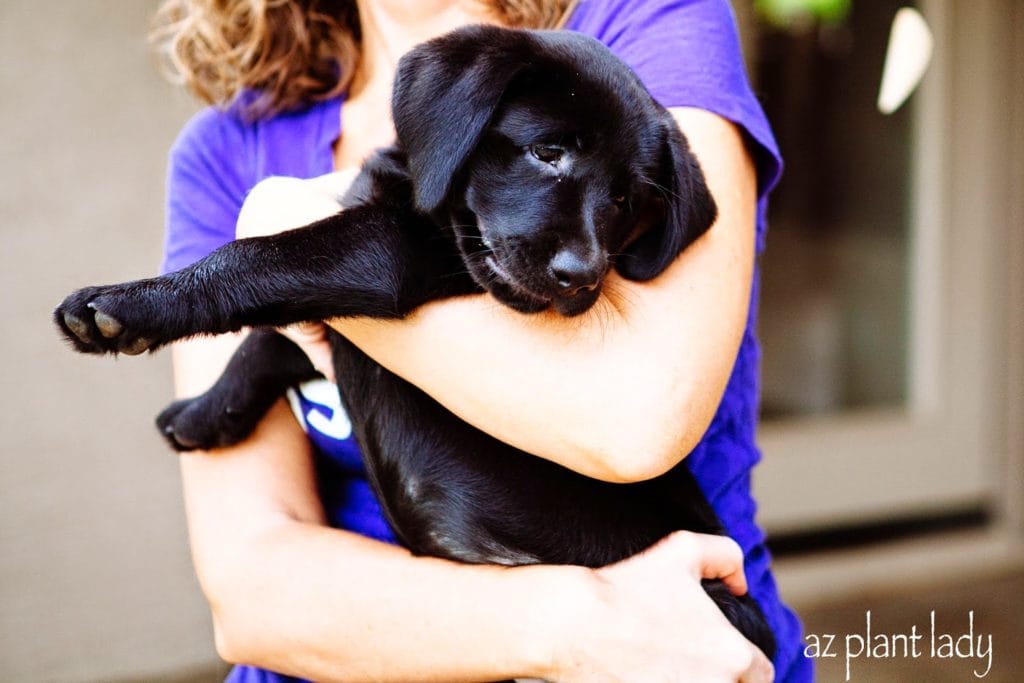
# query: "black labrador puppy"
{"points": [[528, 164]]}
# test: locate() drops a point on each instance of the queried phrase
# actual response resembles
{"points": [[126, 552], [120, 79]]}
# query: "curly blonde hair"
{"points": [[286, 53]]}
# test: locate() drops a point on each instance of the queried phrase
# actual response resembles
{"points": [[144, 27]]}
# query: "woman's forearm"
{"points": [[622, 392], [329, 605], [570, 391]]}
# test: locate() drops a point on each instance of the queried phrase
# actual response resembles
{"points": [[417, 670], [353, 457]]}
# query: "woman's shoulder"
{"points": [[688, 54], [624, 22], [683, 50]]}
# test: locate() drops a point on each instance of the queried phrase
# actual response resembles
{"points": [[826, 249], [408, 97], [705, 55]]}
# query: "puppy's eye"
{"points": [[549, 154], [619, 201]]}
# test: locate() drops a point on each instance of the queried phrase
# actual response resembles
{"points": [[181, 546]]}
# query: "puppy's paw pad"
{"points": [[136, 346], [109, 326], [76, 326]]}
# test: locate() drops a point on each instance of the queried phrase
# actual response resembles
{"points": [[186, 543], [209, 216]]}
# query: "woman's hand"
{"points": [[654, 622], [278, 204]]}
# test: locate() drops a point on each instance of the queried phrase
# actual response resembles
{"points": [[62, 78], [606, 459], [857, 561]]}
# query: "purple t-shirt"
{"points": [[687, 53]]}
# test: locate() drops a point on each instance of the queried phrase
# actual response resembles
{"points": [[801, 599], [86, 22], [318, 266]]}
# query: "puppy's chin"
{"points": [[499, 284], [576, 305], [516, 299]]}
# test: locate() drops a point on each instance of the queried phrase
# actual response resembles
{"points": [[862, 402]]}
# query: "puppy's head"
{"points": [[550, 160]]}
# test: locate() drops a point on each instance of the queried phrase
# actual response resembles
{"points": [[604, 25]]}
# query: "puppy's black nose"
{"points": [[574, 274]]}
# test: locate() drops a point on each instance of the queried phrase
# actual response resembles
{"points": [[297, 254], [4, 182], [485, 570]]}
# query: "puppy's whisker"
{"points": [[666, 192]]}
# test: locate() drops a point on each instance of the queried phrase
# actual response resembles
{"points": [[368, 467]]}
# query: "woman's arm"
{"points": [[291, 595], [623, 392]]}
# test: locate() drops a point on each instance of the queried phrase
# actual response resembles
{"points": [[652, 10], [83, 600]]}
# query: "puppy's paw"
{"points": [[744, 613], [202, 424], [95, 320]]}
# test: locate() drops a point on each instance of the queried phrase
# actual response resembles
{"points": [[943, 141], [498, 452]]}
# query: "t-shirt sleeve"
{"points": [[687, 53], [207, 180]]}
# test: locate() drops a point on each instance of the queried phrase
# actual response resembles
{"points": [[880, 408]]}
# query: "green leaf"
{"points": [[789, 13]]}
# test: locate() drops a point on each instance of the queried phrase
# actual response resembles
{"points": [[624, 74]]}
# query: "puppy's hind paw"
{"points": [[201, 424], [83, 321]]}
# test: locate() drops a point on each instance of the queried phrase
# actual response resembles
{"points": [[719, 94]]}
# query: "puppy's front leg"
{"points": [[366, 261]]}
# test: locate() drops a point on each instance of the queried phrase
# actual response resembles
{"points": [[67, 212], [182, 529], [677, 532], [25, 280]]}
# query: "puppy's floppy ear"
{"points": [[689, 209], [446, 92]]}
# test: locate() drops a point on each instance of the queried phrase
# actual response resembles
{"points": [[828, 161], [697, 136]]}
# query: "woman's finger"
{"points": [[714, 557], [312, 339]]}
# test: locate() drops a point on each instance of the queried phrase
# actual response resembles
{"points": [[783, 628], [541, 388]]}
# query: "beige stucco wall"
{"points": [[95, 580]]}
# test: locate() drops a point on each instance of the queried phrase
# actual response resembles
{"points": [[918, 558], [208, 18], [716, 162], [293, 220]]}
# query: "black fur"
{"points": [[527, 165]]}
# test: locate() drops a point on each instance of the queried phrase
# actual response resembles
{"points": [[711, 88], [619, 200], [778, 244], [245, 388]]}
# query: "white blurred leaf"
{"points": [[906, 59]]}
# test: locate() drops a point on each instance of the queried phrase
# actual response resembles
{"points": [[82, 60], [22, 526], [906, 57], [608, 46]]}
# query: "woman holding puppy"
{"points": [[288, 542]]}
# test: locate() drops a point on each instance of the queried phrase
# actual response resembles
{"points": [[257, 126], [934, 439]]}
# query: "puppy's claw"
{"points": [[108, 325], [136, 347], [77, 326]]}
